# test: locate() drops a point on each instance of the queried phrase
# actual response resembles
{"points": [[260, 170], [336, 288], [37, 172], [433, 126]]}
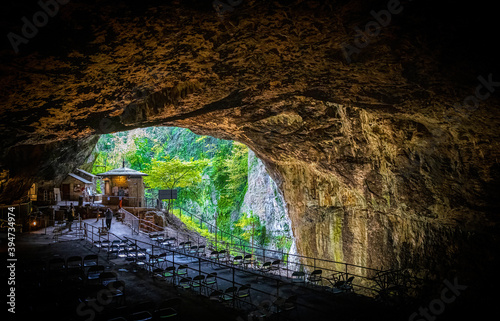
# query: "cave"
{"points": [[378, 120]]}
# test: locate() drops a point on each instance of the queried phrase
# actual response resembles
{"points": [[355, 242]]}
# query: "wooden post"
{"points": [[234, 299], [199, 272], [216, 230]]}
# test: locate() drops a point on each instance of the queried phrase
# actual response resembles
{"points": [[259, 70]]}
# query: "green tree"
{"points": [[246, 224], [228, 175], [224, 183], [139, 158], [249, 228], [173, 173]]}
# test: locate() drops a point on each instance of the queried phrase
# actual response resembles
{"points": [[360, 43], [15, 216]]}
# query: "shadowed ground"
{"points": [[66, 301]]}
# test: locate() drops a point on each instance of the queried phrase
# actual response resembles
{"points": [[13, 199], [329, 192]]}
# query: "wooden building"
{"points": [[77, 184], [74, 186], [123, 184]]}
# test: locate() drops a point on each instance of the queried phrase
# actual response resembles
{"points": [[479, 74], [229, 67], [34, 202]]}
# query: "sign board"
{"points": [[167, 194]]}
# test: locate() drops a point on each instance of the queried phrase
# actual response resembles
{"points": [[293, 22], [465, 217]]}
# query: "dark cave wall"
{"points": [[378, 165], [27, 164]]}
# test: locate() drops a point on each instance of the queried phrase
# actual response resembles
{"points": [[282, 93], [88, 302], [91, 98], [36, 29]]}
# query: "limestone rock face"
{"points": [[264, 199], [386, 157]]}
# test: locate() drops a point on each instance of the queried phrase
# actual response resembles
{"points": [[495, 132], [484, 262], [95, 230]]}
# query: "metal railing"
{"points": [[367, 280], [153, 252], [152, 203], [219, 235], [138, 224], [95, 234], [131, 220]]}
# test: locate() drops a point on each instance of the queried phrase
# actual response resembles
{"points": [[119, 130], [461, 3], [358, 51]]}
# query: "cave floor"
{"points": [[142, 289]]}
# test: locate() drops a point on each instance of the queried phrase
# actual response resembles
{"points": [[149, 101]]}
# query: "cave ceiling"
{"points": [[378, 120], [268, 73]]}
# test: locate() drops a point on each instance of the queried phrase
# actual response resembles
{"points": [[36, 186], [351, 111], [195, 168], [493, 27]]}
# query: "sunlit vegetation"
{"points": [[211, 176]]}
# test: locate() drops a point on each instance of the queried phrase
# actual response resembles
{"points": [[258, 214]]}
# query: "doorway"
{"points": [[65, 192]]}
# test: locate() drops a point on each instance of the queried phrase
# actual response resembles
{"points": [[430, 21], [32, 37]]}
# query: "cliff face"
{"points": [[263, 198], [404, 194], [387, 159]]}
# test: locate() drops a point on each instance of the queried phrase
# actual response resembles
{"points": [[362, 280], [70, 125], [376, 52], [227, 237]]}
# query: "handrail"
{"points": [[158, 228], [279, 282], [92, 234], [349, 269], [135, 221], [131, 220], [212, 227], [90, 231], [269, 250]]}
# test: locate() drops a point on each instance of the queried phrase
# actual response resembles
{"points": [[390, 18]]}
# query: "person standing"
{"points": [[109, 218], [73, 212], [98, 214], [70, 216]]}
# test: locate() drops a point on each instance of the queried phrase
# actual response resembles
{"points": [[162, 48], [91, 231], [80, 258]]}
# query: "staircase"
{"points": [[147, 225]]}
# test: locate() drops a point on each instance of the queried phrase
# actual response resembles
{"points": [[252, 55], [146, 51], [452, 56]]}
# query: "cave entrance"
{"points": [[218, 181]]}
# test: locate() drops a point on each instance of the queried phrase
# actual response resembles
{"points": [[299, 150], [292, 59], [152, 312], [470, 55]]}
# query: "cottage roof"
{"points": [[123, 171], [85, 172], [81, 179]]}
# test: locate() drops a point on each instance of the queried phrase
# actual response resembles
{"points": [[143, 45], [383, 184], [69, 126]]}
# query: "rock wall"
{"points": [[394, 193], [264, 199], [26, 164], [377, 164]]}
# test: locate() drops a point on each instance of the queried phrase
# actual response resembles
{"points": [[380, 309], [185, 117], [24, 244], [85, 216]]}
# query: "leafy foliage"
{"points": [[210, 175], [249, 228], [229, 174], [173, 173]]}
